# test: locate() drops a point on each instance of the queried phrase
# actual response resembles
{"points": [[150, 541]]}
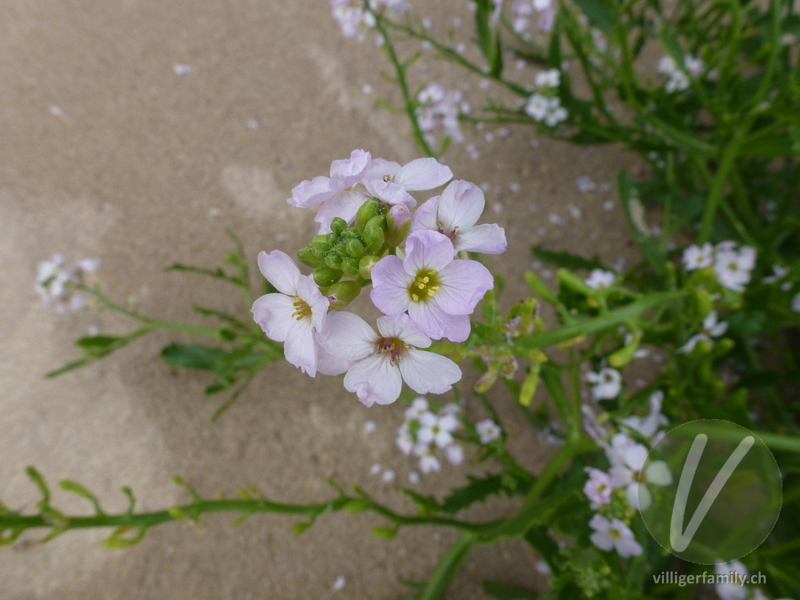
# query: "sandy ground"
{"points": [[107, 152]]}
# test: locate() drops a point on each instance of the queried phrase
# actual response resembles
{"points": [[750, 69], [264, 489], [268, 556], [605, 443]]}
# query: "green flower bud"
{"points": [[332, 238], [355, 248], [369, 209], [376, 221], [366, 264], [308, 258], [350, 266], [334, 261], [319, 238], [340, 249], [373, 238], [325, 276], [343, 293], [338, 225], [319, 249]]}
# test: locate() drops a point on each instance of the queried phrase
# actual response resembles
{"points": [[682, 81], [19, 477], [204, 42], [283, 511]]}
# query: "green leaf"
{"points": [[192, 356], [68, 367], [567, 260], [77, 488], [478, 490], [503, 592], [96, 341], [118, 539], [599, 14]]}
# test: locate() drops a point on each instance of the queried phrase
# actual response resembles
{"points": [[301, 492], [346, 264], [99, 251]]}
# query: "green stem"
{"points": [[447, 570]]}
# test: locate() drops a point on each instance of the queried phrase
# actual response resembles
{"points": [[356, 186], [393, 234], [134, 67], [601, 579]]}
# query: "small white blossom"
{"points": [[710, 329], [599, 279], [733, 267], [614, 535], [488, 431], [698, 257], [548, 79], [606, 384], [57, 284]]}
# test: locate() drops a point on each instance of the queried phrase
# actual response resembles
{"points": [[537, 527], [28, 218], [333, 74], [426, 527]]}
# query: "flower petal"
{"points": [[487, 239], [330, 363], [463, 284], [348, 335], [375, 380], [423, 174], [273, 313], [344, 205], [658, 473], [438, 324], [381, 168], [426, 217], [300, 348], [427, 372], [390, 286], [345, 173], [461, 205], [405, 329], [309, 293], [311, 192], [427, 250], [280, 271], [390, 192]]}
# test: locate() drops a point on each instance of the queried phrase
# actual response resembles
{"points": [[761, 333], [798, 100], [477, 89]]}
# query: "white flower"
{"points": [[667, 65], [548, 79], [733, 588], [382, 361], [405, 441], [778, 273], [628, 458], [555, 113], [598, 487], [454, 454], [595, 425], [537, 107], [388, 476], [599, 279], [710, 329], [677, 82], [427, 461], [413, 477], [488, 430], [606, 384], [733, 267], [695, 66], [418, 407], [698, 257], [438, 430], [56, 284], [649, 425], [614, 535]]}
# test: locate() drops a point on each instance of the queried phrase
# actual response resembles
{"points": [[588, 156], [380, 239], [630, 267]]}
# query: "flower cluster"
{"points": [[424, 433], [733, 576], [523, 10], [732, 264], [625, 488], [545, 105], [440, 108], [678, 78], [368, 236], [354, 18], [57, 284]]}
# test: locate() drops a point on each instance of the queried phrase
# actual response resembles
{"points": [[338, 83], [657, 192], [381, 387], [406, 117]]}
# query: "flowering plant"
{"points": [[714, 301]]}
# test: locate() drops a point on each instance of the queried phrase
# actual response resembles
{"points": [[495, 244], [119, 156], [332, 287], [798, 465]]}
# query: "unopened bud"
{"points": [[369, 209], [325, 276], [308, 258], [343, 293], [398, 224], [365, 266], [319, 249], [334, 261], [350, 266], [355, 248], [374, 238], [338, 225]]}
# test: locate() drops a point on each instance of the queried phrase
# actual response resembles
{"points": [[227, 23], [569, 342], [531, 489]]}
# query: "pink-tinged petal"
{"points": [[599, 523], [425, 217], [311, 192], [602, 541], [629, 547], [457, 327], [273, 313], [461, 205], [438, 324], [404, 328], [344, 205], [487, 239], [427, 250], [423, 174], [300, 348], [348, 335], [345, 173], [381, 169], [390, 286], [463, 284], [427, 372], [330, 363], [280, 271], [390, 192], [375, 380], [309, 293]]}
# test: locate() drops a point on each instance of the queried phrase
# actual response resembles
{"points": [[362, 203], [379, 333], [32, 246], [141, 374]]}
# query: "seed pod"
{"points": [[355, 248], [308, 258], [325, 276], [338, 225]]}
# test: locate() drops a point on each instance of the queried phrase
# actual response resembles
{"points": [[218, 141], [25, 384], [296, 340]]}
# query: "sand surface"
{"points": [[108, 152]]}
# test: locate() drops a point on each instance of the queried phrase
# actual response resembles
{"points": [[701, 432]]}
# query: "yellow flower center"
{"points": [[614, 534], [424, 286], [301, 309]]}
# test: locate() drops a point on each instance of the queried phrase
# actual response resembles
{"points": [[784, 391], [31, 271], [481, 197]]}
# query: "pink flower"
{"points": [[614, 534], [295, 315], [390, 183], [438, 292], [382, 361], [455, 213], [598, 488]]}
